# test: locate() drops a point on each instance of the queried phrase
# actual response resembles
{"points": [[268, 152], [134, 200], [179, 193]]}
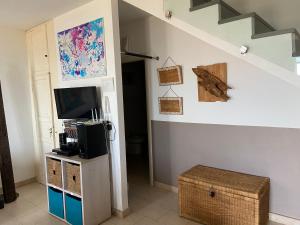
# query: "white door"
{"points": [[42, 100]]}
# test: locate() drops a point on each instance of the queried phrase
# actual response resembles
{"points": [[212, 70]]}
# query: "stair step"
{"points": [[296, 54], [296, 38], [195, 3], [296, 45], [274, 33], [200, 4], [260, 25], [226, 10]]}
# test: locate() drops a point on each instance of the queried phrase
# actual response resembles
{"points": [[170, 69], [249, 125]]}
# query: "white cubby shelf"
{"points": [[79, 195]]}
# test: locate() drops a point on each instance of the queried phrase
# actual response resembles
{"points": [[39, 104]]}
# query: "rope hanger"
{"points": [[169, 59], [170, 89]]}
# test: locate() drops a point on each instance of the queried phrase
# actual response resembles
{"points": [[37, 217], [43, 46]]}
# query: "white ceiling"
{"points": [[129, 13], [25, 14]]}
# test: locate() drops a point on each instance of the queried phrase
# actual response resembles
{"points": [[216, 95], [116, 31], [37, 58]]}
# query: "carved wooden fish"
{"points": [[211, 83]]}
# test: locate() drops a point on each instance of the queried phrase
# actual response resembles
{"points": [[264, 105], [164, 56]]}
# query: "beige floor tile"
{"points": [[172, 218], [20, 207], [153, 211], [274, 223], [147, 221], [148, 205], [119, 221], [40, 217]]}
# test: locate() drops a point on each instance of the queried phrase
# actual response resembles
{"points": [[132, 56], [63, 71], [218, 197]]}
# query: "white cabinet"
{"points": [[84, 196]]}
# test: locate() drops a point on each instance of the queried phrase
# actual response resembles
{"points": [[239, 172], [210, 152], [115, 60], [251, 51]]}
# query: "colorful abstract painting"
{"points": [[82, 51]]}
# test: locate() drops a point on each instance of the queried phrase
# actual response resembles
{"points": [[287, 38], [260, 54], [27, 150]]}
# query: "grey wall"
{"points": [[271, 152]]}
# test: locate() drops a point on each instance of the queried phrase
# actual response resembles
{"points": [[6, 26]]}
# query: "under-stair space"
{"points": [[216, 17]]}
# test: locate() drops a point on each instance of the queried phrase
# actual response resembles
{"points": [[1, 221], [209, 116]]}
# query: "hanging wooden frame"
{"points": [[170, 75], [171, 105]]}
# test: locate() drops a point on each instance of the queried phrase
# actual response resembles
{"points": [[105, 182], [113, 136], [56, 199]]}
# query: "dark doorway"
{"points": [[135, 116]]}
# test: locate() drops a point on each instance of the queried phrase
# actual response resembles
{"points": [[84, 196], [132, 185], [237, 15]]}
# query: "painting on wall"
{"points": [[82, 51]]}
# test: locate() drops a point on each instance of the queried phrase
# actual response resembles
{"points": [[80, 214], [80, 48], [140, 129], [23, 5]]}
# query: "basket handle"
{"points": [[74, 178], [54, 172]]}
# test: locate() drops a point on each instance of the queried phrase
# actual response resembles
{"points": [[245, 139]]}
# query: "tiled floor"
{"points": [[149, 206]]}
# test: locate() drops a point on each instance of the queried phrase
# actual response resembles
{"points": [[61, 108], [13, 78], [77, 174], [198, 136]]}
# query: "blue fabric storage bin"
{"points": [[73, 210], [56, 204]]}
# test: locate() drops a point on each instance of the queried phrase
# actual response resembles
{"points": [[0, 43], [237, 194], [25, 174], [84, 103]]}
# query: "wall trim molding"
{"points": [[23, 183], [121, 214], [273, 217], [166, 187], [283, 219], [26, 182]]}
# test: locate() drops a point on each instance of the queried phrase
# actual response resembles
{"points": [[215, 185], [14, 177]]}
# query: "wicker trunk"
{"points": [[217, 197]]}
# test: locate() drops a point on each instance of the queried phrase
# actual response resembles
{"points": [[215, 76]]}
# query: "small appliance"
{"points": [[92, 140], [62, 139]]}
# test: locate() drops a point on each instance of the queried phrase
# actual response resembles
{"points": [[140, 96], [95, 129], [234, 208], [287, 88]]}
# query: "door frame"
{"points": [[149, 124], [37, 145], [36, 137], [149, 121]]}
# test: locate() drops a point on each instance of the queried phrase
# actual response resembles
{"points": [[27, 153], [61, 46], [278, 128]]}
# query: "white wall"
{"points": [[16, 97], [108, 9], [257, 98]]}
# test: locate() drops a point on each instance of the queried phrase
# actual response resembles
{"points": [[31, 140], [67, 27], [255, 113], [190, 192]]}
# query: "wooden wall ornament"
{"points": [[212, 83], [171, 105], [6, 171], [171, 75]]}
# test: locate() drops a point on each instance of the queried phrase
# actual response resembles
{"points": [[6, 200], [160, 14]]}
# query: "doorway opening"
{"points": [[135, 118]]}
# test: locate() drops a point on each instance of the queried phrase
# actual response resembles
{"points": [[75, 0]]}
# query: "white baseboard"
{"points": [[120, 214], [273, 217], [166, 187], [283, 219], [22, 183]]}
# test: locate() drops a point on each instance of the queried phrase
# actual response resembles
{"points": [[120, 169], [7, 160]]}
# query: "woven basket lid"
{"points": [[227, 181]]}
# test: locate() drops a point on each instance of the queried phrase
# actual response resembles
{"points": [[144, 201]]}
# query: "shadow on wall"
{"points": [[16, 97]]}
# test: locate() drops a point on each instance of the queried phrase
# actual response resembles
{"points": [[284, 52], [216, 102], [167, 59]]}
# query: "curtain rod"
{"points": [[139, 55]]}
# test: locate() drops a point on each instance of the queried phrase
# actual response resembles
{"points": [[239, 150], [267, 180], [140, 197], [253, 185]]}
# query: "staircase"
{"points": [[281, 47]]}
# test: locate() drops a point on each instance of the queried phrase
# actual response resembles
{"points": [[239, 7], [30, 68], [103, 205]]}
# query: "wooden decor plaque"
{"points": [[218, 70], [170, 75], [171, 105]]}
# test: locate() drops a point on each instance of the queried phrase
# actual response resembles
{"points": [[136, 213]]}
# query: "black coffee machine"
{"points": [[66, 148]]}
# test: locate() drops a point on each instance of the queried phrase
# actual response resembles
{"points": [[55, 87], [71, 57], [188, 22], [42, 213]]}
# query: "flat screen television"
{"points": [[76, 103]]}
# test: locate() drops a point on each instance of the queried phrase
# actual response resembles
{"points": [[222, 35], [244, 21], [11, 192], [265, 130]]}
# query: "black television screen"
{"points": [[75, 103]]}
